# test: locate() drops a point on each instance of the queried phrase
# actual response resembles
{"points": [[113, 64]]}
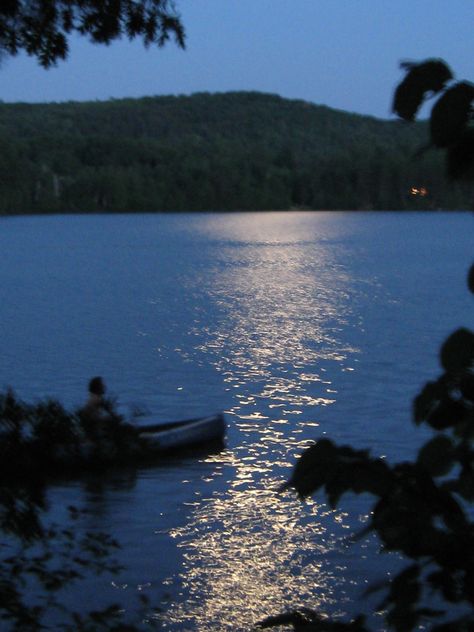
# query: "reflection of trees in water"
{"points": [[39, 558]]}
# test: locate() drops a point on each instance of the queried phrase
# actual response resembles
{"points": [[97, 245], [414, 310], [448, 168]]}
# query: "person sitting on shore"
{"points": [[103, 425], [96, 407]]}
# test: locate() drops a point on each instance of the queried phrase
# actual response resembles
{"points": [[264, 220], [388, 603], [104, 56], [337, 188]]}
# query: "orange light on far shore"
{"points": [[422, 192]]}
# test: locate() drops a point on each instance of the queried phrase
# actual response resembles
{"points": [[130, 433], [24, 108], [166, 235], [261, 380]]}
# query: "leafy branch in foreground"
{"points": [[42, 29], [451, 116], [422, 508]]}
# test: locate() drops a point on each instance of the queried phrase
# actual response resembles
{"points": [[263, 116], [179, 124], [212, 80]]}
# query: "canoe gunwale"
{"points": [[184, 434], [171, 425]]}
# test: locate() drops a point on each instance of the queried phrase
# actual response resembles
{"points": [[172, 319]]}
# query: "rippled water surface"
{"points": [[297, 325]]}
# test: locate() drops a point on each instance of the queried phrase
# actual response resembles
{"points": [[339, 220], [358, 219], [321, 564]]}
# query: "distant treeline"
{"points": [[231, 151]]}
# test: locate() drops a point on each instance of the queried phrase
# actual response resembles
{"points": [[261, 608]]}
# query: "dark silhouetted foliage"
{"points": [[451, 116], [422, 79], [42, 28], [460, 157], [44, 439], [304, 620]]}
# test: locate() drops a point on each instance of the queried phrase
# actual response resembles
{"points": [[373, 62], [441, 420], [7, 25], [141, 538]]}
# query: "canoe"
{"points": [[29, 457], [181, 435]]}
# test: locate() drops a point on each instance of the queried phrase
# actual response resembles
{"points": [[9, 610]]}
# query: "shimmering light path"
{"points": [[282, 297]]}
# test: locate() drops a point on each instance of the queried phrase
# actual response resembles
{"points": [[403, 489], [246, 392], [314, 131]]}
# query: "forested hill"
{"points": [[230, 151]]}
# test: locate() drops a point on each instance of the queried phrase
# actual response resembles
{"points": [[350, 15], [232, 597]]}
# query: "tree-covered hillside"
{"points": [[227, 151]]}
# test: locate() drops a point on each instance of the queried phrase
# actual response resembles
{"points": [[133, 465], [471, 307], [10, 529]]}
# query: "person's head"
{"points": [[97, 386]]}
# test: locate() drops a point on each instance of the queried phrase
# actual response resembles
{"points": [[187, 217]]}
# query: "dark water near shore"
{"points": [[297, 325]]}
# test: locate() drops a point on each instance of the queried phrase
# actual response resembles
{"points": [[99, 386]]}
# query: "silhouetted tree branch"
{"points": [[42, 28], [451, 116]]}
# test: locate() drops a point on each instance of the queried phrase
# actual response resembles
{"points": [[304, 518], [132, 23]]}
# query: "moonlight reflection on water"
{"points": [[248, 555], [282, 299]]}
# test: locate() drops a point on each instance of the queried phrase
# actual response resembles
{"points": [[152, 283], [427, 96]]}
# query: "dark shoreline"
{"points": [[231, 212]]}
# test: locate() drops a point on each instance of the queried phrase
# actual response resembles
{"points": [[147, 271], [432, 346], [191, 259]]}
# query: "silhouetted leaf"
{"points": [[462, 624], [338, 470], [310, 470], [404, 587], [428, 399], [442, 581], [450, 114], [465, 485], [305, 620], [403, 595], [296, 618], [470, 279], [466, 386], [428, 76], [457, 352], [460, 157], [447, 413], [429, 612], [450, 510], [400, 526], [405, 517], [437, 456], [373, 476]]}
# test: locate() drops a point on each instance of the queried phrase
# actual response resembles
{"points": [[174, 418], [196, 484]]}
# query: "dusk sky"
{"points": [[341, 53]]}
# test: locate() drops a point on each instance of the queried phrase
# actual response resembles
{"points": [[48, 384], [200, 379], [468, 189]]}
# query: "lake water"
{"points": [[297, 325]]}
